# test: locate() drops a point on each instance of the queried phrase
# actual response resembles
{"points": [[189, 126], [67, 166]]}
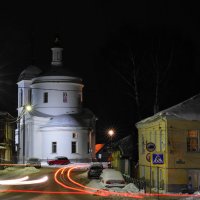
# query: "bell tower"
{"points": [[57, 53]]}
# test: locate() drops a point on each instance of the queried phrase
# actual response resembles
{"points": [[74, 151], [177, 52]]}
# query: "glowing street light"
{"points": [[111, 132], [28, 108]]}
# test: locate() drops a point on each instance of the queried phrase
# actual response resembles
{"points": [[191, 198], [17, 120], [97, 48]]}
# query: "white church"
{"points": [[57, 124]]}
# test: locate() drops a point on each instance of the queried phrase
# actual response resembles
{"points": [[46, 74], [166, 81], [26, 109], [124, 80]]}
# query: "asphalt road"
{"points": [[46, 190], [62, 183]]}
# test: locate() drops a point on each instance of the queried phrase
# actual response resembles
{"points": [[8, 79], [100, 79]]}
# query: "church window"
{"points": [[74, 147], [89, 150], [74, 135], [45, 97], [21, 97], [30, 96], [54, 147], [65, 97]]}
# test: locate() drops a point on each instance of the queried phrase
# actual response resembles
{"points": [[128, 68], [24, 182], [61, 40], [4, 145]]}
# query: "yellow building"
{"points": [[6, 137], [169, 147]]}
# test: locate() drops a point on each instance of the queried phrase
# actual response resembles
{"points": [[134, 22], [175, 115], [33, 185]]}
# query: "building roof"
{"points": [[67, 120], [59, 71], [83, 119], [5, 114], [126, 146], [187, 110], [54, 70], [30, 72], [98, 147]]}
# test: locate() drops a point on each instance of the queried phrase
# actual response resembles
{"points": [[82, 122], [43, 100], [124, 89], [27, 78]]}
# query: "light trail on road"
{"points": [[11, 181], [80, 189], [24, 182], [84, 190], [124, 194]]}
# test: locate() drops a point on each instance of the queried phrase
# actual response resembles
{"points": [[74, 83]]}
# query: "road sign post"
{"points": [[157, 158]]}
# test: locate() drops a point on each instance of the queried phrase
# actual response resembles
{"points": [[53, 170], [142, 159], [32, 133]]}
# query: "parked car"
{"points": [[95, 170], [33, 162], [59, 160], [112, 178]]}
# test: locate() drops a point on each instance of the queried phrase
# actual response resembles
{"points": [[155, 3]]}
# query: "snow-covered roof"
{"points": [[5, 114], [83, 119], [39, 114], [29, 73], [187, 110], [66, 120]]}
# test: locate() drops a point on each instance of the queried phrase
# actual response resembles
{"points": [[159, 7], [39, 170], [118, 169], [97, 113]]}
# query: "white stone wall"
{"points": [[55, 89], [38, 138], [63, 137]]}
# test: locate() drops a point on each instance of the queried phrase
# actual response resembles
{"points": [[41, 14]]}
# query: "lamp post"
{"points": [[26, 109], [111, 133]]}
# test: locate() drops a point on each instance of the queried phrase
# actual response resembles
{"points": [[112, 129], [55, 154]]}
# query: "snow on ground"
{"points": [[19, 171], [95, 183]]}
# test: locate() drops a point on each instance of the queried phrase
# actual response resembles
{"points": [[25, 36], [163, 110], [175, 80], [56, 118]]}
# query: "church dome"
{"points": [[29, 73]]}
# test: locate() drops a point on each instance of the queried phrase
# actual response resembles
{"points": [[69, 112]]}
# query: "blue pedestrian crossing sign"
{"points": [[158, 158]]}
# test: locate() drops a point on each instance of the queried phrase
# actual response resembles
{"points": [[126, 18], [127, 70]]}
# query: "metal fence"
{"points": [[139, 183]]}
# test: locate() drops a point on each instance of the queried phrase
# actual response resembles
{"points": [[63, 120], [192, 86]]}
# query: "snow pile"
{"points": [[131, 188], [27, 170], [95, 184], [156, 190], [7, 170], [19, 171]]}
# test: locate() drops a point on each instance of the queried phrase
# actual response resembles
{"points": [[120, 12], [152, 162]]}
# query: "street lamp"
{"points": [[111, 133], [27, 108]]}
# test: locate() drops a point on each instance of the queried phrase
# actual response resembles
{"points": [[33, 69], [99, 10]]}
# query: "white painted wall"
{"points": [[55, 86], [38, 138], [63, 137]]}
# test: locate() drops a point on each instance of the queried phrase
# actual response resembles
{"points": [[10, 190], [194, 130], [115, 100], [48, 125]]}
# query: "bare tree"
{"points": [[161, 71], [160, 68], [131, 78]]}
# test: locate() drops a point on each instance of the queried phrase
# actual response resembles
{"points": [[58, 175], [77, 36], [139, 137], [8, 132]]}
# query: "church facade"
{"points": [[57, 124]]}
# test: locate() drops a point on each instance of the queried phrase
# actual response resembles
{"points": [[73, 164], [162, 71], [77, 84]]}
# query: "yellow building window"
{"points": [[193, 141]]}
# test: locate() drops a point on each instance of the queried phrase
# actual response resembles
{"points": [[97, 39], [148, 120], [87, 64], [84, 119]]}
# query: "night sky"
{"points": [[98, 38]]}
